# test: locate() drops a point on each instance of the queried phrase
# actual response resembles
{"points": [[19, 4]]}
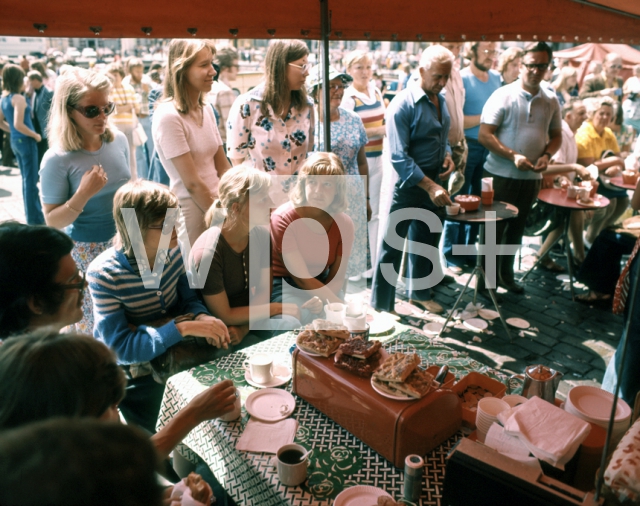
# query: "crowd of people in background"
{"points": [[243, 169]]}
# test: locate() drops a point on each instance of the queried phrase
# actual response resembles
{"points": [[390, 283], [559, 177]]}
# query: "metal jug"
{"points": [[540, 380]]}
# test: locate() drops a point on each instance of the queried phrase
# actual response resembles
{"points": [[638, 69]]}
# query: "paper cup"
{"points": [[487, 184], [572, 192], [235, 413], [335, 312], [453, 209]]}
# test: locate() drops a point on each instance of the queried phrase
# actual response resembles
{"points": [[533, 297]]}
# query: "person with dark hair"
{"points": [[479, 81], [40, 102], [521, 126], [222, 95], [77, 462], [273, 123], [46, 375], [41, 284], [15, 119]]}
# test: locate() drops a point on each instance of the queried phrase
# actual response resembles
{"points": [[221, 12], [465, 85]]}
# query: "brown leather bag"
{"points": [[188, 353]]}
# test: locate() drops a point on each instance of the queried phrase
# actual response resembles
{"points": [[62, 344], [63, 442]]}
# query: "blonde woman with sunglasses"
{"points": [[86, 164]]}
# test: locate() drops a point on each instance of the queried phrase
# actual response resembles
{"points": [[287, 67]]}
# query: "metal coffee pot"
{"points": [[540, 380]]}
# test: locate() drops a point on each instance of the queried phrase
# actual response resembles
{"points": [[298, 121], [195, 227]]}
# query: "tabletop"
{"points": [[338, 459], [617, 181], [558, 197], [503, 210]]}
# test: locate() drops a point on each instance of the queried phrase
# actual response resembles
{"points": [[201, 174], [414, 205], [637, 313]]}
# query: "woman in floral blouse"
{"points": [[273, 123]]}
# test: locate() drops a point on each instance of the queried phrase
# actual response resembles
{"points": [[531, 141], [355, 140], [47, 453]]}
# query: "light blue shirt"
{"points": [[418, 140], [60, 175], [524, 123], [477, 93]]}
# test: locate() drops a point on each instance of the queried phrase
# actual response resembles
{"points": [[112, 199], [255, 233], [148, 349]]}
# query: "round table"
{"points": [[503, 211], [617, 181], [557, 197]]}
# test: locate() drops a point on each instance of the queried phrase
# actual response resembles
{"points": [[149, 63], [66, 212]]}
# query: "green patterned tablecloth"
{"points": [[338, 460]]}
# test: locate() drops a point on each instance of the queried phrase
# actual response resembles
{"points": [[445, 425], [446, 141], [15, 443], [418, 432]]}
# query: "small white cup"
{"points": [[235, 413], [356, 323], [355, 307], [260, 366], [335, 312], [487, 184], [453, 209], [291, 470], [584, 194], [572, 192]]}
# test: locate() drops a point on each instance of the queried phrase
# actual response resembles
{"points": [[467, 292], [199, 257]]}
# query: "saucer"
{"points": [[591, 203], [281, 375]]}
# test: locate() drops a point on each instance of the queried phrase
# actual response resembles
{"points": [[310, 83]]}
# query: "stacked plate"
{"points": [[593, 405], [487, 414]]}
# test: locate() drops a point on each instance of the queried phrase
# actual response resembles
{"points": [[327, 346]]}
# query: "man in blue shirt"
{"points": [[479, 84], [417, 122]]}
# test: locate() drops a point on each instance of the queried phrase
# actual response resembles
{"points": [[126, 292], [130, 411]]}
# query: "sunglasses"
{"points": [[93, 111], [80, 286], [305, 67], [616, 67], [536, 66]]}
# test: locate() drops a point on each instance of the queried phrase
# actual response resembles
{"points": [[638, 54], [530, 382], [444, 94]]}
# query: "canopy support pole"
{"points": [[325, 30]]}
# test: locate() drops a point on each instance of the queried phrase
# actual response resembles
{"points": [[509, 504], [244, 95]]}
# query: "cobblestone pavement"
{"points": [[572, 337]]}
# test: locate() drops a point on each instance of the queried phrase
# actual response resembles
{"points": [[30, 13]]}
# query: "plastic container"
{"points": [[496, 388]]}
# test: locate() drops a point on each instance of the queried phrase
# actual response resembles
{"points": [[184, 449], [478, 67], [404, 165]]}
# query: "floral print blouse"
{"points": [[273, 144]]}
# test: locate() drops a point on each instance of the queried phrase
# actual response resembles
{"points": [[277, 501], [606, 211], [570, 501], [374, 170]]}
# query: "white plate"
{"points": [[488, 314], [475, 324], [395, 397], [433, 328], [518, 323], [380, 325], [281, 374], [360, 495], [592, 203], [270, 404], [595, 403]]}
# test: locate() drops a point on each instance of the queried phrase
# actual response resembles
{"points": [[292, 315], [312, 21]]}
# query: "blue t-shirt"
{"points": [[476, 95], [60, 175], [8, 111]]}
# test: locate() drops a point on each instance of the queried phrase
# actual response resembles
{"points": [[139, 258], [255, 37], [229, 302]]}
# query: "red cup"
{"points": [[487, 197], [594, 188]]}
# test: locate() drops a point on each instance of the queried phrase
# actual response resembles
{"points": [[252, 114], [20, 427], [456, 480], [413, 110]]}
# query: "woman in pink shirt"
{"points": [[312, 237], [185, 132]]}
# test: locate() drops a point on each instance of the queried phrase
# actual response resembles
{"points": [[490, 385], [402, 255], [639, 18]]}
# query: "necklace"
{"points": [[99, 154]]}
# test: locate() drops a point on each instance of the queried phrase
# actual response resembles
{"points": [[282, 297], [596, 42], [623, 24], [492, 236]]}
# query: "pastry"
{"points": [[359, 348], [357, 366], [417, 385], [327, 328], [397, 367], [312, 342]]}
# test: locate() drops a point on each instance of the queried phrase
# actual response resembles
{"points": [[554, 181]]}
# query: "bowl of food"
{"points": [[468, 202]]}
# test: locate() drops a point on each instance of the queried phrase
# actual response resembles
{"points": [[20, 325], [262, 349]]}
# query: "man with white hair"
{"points": [[417, 125], [606, 83]]}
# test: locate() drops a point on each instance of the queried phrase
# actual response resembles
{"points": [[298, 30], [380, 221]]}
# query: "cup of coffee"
{"points": [[235, 413], [362, 334], [292, 470], [335, 312], [355, 307], [260, 367], [572, 192], [584, 194], [453, 209], [487, 197], [356, 323]]}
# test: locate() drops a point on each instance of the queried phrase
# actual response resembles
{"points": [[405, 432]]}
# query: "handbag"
{"points": [[188, 353], [139, 135]]}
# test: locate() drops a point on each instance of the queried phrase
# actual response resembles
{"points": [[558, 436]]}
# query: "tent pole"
{"points": [[325, 30]]}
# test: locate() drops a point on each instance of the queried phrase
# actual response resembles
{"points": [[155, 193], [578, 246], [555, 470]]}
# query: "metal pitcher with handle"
{"points": [[540, 380]]}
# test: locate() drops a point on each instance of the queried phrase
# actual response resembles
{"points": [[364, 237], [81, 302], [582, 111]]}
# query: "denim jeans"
{"points": [[26, 153]]}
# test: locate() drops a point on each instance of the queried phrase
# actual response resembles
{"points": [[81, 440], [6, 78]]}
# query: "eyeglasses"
{"points": [[305, 67], [536, 66], [336, 87], [77, 286], [490, 52], [615, 67], [93, 111]]}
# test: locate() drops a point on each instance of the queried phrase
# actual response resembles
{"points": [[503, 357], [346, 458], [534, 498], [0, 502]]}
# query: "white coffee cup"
{"points": [[235, 413], [453, 209], [335, 312], [260, 366], [291, 470], [355, 307], [572, 192], [356, 323], [584, 194]]}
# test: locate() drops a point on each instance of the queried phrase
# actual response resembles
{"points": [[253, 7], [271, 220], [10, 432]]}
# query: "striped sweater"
{"points": [[120, 299], [371, 112]]}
